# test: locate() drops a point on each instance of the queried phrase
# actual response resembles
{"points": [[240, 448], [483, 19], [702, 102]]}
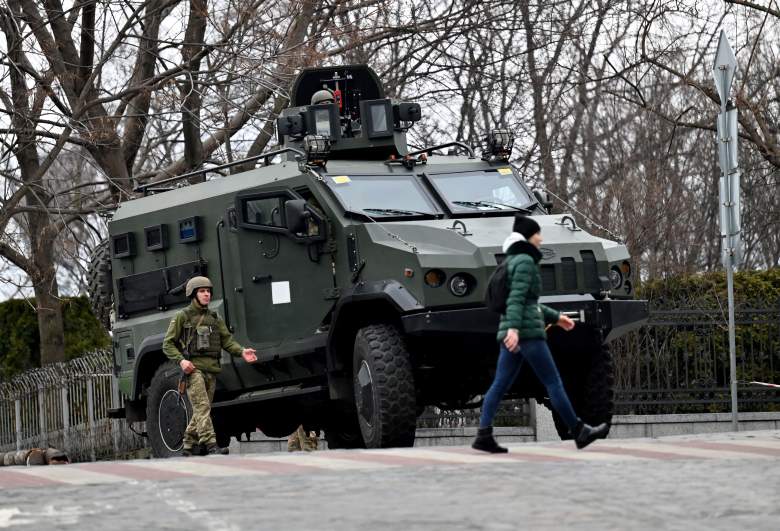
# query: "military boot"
{"points": [[312, 442], [213, 449], [295, 440], [486, 443], [195, 449], [584, 434]]}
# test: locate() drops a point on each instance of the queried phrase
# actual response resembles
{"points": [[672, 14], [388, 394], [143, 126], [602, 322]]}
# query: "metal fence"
{"points": [[510, 413], [679, 363], [65, 406]]}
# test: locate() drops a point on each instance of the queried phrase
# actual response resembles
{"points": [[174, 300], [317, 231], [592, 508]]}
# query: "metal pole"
{"points": [[65, 420], [18, 410], [115, 404], [91, 416], [732, 347], [42, 417]]}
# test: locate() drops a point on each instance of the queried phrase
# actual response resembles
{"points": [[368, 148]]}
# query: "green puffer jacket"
{"points": [[523, 311]]}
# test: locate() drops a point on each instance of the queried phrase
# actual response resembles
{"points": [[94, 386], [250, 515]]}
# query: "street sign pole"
{"points": [[730, 230], [732, 349]]}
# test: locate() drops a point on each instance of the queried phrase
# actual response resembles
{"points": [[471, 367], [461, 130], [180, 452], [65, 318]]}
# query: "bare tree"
{"points": [[611, 103], [147, 90]]}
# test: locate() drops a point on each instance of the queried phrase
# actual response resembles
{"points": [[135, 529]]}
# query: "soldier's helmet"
{"points": [[322, 97], [195, 283]]}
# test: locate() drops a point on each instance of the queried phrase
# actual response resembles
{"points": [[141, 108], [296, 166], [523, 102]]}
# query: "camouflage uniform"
{"points": [[203, 335], [301, 440]]}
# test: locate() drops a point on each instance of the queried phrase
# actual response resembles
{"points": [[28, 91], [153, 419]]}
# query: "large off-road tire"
{"points": [[590, 386], [167, 412], [342, 429], [383, 381], [99, 280]]}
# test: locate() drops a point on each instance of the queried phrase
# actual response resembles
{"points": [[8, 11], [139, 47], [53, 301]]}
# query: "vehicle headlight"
{"points": [[615, 277], [460, 285], [625, 268], [435, 278]]}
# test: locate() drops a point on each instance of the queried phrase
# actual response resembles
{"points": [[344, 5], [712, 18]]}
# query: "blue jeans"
{"points": [[538, 355]]}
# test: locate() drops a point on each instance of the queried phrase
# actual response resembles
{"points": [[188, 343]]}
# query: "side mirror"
{"points": [[408, 112], [544, 200], [297, 216], [291, 125]]}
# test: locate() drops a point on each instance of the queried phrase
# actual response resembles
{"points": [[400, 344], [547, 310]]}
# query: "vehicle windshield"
{"points": [[382, 195], [473, 191]]}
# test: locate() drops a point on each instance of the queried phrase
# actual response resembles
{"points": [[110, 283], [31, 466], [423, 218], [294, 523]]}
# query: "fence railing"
{"points": [[679, 363], [65, 406], [510, 413]]}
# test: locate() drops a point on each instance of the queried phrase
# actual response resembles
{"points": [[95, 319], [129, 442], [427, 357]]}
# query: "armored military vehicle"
{"points": [[357, 268]]}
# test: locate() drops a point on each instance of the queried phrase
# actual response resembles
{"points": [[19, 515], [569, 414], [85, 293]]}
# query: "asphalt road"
{"points": [[723, 481]]}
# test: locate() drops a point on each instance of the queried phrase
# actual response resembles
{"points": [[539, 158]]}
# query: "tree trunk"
{"points": [[40, 266], [50, 326], [47, 294], [47, 301]]}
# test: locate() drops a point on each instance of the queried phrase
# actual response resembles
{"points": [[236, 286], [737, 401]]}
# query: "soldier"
{"points": [[323, 97], [195, 340], [303, 439]]}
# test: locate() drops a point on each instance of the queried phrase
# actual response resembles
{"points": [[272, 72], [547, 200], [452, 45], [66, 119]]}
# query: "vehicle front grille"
{"points": [[569, 273], [548, 278], [590, 270], [568, 276]]}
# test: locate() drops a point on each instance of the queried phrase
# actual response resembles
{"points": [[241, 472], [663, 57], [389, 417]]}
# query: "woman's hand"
{"points": [[565, 322], [512, 339]]}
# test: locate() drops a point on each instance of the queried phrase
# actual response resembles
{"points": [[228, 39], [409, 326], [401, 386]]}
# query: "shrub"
{"points": [[19, 340]]}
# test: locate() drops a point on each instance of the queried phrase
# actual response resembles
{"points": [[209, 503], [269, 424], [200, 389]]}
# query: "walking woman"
{"points": [[522, 337]]}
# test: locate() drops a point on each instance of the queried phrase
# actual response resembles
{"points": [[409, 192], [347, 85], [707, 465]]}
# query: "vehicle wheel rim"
{"points": [[365, 393], [173, 418]]}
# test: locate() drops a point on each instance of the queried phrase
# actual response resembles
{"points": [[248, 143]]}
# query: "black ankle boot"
{"points": [[585, 434], [194, 450], [213, 449], [486, 442]]}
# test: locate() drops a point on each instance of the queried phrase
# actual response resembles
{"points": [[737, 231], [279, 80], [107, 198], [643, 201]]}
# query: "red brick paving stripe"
{"points": [[382, 459], [515, 454], [272, 467], [650, 454], [10, 479], [518, 455], [126, 470], [730, 447]]}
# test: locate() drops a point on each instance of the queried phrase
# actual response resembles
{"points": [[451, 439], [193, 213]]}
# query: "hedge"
{"points": [[19, 340]]}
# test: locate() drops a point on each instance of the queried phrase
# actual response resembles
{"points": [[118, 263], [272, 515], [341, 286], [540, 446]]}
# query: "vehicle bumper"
{"points": [[614, 317]]}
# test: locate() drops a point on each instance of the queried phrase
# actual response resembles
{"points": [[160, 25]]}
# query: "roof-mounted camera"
{"points": [[499, 145]]}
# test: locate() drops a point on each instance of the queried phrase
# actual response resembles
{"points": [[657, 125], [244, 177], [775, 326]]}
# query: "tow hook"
{"points": [[455, 226]]}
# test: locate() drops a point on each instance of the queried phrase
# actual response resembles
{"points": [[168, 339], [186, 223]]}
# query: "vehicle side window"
{"points": [[266, 211]]}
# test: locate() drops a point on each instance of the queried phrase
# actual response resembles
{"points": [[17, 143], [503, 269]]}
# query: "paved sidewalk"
{"points": [[719, 481]]}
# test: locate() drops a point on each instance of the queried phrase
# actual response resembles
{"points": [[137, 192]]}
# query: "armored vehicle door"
{"points": [[285, 280]]}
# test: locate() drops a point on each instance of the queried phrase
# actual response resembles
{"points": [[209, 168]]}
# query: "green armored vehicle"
{"points": [[357, 268]]}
